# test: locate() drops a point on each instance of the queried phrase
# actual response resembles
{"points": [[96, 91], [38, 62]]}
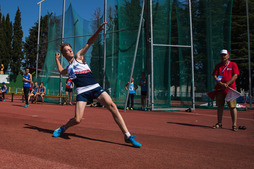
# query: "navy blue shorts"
{"points": [[90, 95], [143, 93]]}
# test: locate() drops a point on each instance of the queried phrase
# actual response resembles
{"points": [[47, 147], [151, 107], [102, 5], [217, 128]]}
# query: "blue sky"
{"points": [[30, 10]]}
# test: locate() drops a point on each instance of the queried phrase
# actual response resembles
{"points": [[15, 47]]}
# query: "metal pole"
{"points": [[249, 59], [148, 56], [104, 44], [151, 92], [192, 58], [38, 39], [135, 54], [61, 59]]}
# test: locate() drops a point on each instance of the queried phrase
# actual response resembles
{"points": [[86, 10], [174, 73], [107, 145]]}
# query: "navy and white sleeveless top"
{"points": [[27, 77], [82, 77]]}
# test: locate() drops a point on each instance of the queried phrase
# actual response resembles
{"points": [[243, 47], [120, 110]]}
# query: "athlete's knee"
{"points": [[111, 105]]}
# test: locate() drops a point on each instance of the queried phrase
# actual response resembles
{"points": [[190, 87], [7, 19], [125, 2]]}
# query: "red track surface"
{"points": [[170, 139]]}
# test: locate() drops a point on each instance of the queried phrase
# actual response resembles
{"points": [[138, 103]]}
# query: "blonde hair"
{"points": [[63, 45]]}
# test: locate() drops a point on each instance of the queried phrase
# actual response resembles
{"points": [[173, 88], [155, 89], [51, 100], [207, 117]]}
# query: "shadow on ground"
{"points": [[68, 135], [190, 125]]}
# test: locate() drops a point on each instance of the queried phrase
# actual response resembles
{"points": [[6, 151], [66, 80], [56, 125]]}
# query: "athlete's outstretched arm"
{"points": [[59, 66], [91, 40]]}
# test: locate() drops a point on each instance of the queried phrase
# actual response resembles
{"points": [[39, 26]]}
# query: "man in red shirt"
{"points": [[225, 74]]}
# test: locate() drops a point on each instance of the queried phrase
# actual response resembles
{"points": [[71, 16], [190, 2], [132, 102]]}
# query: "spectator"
{"points": [[33, 93], [3, 91], [41, 92], [27, 79], [132, 91], [143, 84], [225, 74]]}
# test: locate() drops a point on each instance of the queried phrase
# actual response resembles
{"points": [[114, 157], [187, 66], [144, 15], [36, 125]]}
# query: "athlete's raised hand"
{"points": [[102, 26], [58, 55]]}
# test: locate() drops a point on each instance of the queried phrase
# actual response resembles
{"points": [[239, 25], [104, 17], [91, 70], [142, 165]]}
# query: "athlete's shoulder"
{"points": [[73, 62]]}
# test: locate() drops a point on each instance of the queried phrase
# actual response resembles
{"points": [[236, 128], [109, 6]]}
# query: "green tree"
{"points": [[2, 40], [8, 41], [239, 44], [30, 45], [5, 40], [17, 53]]}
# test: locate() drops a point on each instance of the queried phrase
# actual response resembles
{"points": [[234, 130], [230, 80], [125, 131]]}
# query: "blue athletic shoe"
{"points": [[3, 100], [58, 131], [133, 141], [26, 105]]}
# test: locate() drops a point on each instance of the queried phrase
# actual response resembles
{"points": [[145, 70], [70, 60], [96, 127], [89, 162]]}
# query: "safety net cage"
{"points": [[123, 20], [170, 22], [211, 33], [209, 26], [77, 31], [172, 65]]}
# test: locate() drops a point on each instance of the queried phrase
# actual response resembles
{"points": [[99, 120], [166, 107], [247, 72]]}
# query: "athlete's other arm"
{"points": [[59, 66], [31, 79], [25, 80], [126, 85], [66, 82], [80, 54], [136, 86], [44, 90]]}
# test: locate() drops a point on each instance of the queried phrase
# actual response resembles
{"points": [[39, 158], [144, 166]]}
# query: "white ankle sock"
{"points": [[127, 135]]}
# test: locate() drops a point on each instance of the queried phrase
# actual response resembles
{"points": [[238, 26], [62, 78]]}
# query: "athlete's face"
{"points": [[67, 52], [143, 75], [27, 71]]}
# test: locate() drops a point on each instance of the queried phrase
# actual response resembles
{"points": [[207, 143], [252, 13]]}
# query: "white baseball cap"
{"points": [[224, 51]]}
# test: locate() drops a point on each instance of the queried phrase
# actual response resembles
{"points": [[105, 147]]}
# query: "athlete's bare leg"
{"points": [[106, 100], [42, 97], [70, 97], [79, 112]]}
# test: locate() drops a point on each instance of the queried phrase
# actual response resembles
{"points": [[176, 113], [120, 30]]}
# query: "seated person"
{"points": [[33, 93], [3, 90], [41, 92]]}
